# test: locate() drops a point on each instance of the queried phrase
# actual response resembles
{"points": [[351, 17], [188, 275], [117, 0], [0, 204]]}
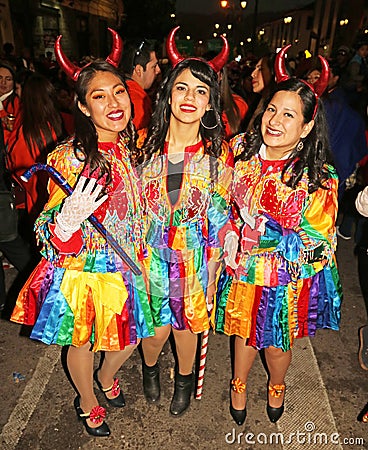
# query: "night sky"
{"points": [[213, 6]]}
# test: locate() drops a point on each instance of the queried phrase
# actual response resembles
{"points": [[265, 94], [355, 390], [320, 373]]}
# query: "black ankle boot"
{"points": [[151, 382], [182, 393]]}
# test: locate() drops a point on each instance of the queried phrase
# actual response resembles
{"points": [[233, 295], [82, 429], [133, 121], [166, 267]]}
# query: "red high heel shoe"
{"points": [[119, 400], [96, 416]]}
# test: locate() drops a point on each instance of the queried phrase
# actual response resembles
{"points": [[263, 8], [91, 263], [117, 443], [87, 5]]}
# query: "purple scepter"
{"points": [[65, 186]]}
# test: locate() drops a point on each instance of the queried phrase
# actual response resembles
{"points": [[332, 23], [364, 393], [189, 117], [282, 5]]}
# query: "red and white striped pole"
{"points": [[202, 364]]}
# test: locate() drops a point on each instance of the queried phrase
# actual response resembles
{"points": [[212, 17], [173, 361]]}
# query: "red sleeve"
{"points": [[71, 247], [241, 104]]}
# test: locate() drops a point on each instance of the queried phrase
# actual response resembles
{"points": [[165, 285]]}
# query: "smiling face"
{"points": [[189, 98], [283, 124], [108, 105]]}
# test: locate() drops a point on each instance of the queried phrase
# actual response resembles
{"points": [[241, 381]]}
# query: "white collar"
{"points": [[5, 96], [262, 154]]}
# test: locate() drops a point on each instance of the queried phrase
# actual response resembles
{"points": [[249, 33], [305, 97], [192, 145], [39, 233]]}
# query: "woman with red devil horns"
{"points": [[186, 180], [282, 281], [82, 294]]}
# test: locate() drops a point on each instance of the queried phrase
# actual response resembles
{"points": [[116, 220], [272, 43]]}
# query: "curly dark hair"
{"points": [[316, 154], [86, 138], [212, 138]]}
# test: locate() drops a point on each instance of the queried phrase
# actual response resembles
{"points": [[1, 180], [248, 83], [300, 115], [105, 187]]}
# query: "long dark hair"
{"points": [[86, 138], [212, 138], [230, 107], [316, 148], [40, 115], [268, 63]]}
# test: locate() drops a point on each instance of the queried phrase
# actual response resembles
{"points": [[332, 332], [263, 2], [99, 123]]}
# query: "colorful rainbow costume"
{"points": [[81, 290], [287, 284], [183, 238]]}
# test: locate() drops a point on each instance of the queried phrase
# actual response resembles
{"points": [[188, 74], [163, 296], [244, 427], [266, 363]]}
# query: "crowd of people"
{"points": [[201, 195]]}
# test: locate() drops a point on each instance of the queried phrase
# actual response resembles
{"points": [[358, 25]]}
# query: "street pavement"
{"points": [[326, 389]]}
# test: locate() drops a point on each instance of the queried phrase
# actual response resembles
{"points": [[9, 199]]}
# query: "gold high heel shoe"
{"points": [[276, 391], [238, 415]]}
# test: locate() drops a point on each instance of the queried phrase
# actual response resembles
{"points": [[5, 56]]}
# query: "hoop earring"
{"points": [[206, 126], [300, 146], [165, 114]]}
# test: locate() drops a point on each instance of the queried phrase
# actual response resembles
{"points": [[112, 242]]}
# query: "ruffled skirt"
{"points": [[275, 315], [178, 285], [72, 307]]}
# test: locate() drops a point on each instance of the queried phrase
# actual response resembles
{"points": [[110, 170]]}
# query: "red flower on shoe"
{"points": [[115, 390], [97, 414]]}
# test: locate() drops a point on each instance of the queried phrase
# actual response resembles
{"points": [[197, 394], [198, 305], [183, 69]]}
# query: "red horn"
{"points": [[280, 69], [218, 62], [172, 52], [321, 84], [68, 67], [116, 49]]}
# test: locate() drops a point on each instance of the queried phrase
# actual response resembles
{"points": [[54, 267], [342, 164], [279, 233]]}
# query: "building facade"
{"points": [[319, 27], [35, 24]]}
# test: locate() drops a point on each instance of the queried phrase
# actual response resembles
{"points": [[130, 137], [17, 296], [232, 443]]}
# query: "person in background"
{"points": [[355, 83], [235, 76], [282, 281], [26, 60], [186, 178], [313, 75], [65, 104], [82, 294], [263, 81], [12, 247], [348, 150], [362, 207], [235, 108], [341, 61], [141, 67], [303, 64], [9, 56], [251, 97], [34, 139], [9, 100]]}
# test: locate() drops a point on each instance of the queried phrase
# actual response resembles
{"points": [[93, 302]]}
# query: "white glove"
{"points": [[361, 202], [231, 249], [78, 207]]}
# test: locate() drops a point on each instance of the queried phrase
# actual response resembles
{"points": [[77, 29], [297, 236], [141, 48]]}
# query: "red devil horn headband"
{"points": [[73, 71], [282, 75], [280, 69], [321, 84], [217, 63]]}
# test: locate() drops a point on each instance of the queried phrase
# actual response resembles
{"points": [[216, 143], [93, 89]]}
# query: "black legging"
{"points": [[362, 253], [18, 253]]}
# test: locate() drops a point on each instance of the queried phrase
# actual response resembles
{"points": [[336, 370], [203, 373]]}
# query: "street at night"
{"points": [[326, 389], [147, 147]]}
